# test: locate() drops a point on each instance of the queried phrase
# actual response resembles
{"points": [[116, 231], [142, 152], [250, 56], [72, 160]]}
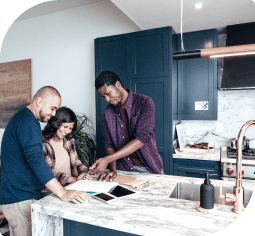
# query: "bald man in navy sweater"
{"points": [[24, 171]]}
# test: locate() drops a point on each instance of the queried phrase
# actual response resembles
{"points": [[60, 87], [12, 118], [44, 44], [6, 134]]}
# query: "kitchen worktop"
{"points": [[196, 155], [151, 212]]}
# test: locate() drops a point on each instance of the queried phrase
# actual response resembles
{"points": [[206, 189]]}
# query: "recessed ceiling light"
{"points": [[198, 5]]}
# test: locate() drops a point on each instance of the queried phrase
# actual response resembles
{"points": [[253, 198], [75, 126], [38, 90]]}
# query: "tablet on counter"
{"points": [[117, 192]]}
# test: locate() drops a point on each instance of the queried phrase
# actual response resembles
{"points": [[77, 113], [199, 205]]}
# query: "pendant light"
{"points": [[240, 50]]}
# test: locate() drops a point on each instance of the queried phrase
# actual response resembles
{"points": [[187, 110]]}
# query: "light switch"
{"points": [[219, 126]]}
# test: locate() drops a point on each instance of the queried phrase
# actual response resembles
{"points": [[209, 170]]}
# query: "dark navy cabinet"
{"points": [[158, 90], [174, 79], [74, 228], [143, 60], [149, 53], [197, 78], [113, 53], [196, 168]]}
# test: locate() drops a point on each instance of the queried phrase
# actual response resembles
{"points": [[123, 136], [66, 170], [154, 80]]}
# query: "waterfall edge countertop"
{"points": [[151, 212], [208, 156]]}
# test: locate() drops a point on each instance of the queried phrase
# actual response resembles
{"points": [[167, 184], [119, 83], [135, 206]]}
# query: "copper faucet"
{"points": [[237, 195]]}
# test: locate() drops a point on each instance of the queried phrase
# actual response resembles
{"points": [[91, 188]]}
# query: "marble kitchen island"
{"points": [[151, 212]]}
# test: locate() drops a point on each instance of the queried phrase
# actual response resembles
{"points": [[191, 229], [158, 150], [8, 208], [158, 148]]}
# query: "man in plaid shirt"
{"points": [[128, 130]]}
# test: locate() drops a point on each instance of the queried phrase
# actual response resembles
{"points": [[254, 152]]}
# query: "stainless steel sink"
{"points": [[191, 191]]}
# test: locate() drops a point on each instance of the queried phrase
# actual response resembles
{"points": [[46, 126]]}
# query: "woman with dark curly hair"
{"points": [[59, 147]]}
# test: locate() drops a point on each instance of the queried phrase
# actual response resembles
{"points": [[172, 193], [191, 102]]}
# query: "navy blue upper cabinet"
{"points": [[149, 53], [197, 79], [113, 53]]}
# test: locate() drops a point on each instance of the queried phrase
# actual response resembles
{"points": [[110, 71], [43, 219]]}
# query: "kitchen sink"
{"points": [[191, 191]]}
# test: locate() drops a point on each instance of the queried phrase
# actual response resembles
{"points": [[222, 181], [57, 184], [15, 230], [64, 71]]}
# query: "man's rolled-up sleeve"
{"points": [[145, 121]]}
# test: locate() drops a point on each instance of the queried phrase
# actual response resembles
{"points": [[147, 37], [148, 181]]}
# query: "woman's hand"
{"points": [[72, 180], [82, 175]]}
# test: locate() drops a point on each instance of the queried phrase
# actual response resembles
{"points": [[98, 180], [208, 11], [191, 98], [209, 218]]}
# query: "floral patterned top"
{"points": [[76, 166]]}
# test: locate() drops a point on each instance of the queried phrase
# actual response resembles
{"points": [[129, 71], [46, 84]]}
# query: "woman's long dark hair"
{"points": [[63, 115]]}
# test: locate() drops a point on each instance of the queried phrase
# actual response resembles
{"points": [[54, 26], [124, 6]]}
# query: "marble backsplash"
{"points": [[235, 108]]}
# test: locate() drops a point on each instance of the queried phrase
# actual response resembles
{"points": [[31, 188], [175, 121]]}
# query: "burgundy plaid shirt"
{"points": [[141, 116]]}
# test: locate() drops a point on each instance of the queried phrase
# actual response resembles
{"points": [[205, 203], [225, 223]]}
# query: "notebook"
{"points": [[131, 181]]}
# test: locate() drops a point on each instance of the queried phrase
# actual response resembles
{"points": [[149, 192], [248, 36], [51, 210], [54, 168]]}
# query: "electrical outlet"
{"points": [[219, 126]]}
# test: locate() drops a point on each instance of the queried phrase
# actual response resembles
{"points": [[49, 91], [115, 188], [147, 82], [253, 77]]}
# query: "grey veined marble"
{"points": [[151, 212], [209, 156], [235, 108]]}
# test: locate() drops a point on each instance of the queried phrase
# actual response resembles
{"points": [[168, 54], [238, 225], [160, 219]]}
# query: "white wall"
{"points": [[61, 46]]}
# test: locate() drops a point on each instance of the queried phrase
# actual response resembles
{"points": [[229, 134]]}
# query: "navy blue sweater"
{"points": [[24, 170]]}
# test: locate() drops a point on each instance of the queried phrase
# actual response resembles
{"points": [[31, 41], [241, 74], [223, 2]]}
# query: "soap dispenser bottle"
{"points": [[207, 193]]}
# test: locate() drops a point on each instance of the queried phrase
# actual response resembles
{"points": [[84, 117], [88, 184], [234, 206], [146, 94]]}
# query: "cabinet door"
{"points": [[149, 53], [197, 79], [74, 228], [196, 168], [111, 53], [158, 90], [174, 68]]}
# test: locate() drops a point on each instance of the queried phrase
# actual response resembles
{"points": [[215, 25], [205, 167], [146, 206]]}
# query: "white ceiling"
{"points": [[48, 7], [148, 14]]}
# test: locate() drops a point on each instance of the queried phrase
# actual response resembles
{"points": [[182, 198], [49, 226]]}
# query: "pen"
{"points": [[90, 192], [87, 173]]}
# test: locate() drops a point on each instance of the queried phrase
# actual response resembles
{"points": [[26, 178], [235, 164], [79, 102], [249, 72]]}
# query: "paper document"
{"points": [[91, 185]]}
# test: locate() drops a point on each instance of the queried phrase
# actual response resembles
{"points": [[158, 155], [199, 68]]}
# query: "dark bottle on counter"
{"points": [[207, 193]]}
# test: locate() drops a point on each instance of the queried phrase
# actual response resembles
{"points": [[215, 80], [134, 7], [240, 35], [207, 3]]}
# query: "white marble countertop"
{"points": [[196, 155], [151, 212]]}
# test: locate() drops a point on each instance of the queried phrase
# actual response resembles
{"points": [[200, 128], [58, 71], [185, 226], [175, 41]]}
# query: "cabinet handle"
{"points": [[191, 172]]}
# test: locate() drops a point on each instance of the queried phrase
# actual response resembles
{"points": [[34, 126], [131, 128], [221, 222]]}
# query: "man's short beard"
{"points": [[117, 106], [41, 116]]}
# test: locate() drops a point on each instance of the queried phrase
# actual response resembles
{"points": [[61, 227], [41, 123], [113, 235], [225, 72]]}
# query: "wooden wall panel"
{"points": [[15, 88]]}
